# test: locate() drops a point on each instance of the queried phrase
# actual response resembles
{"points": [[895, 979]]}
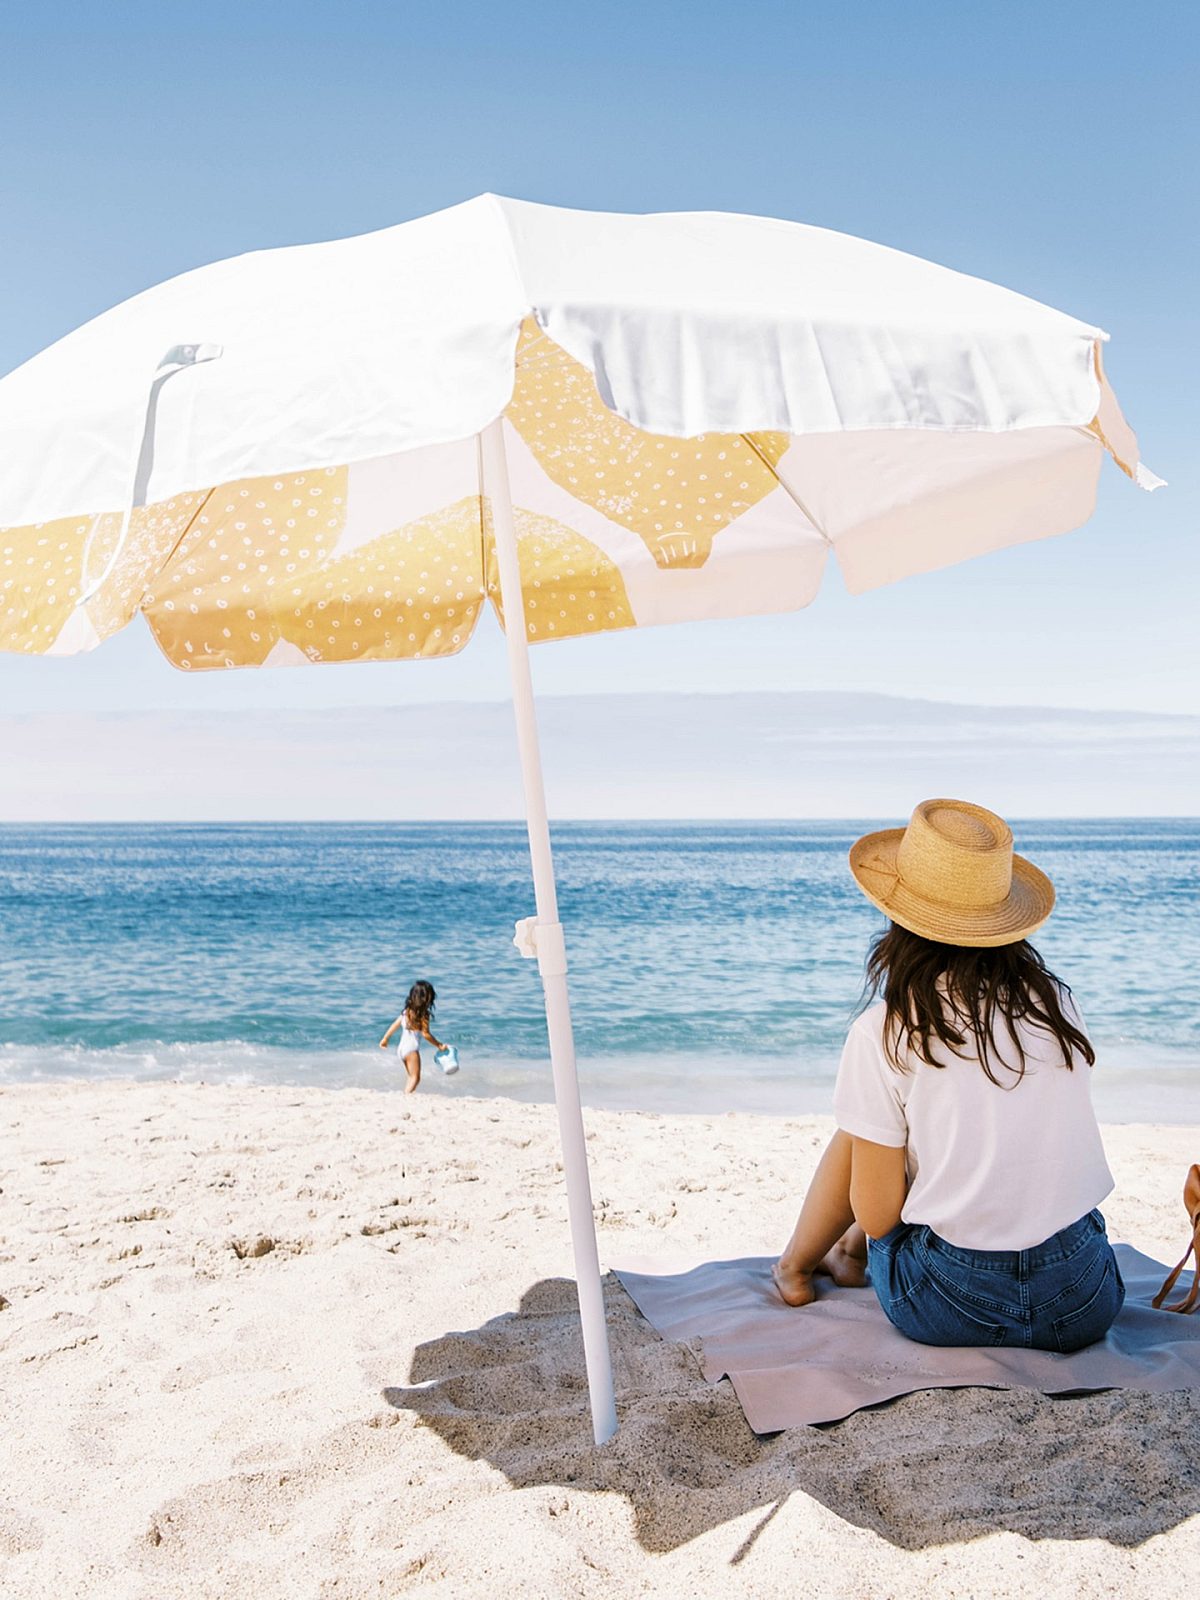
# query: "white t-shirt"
{"points": [[989, 1168]]}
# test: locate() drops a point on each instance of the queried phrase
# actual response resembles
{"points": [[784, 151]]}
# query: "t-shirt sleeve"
{"points": [[1071, 1010], [866, 1097]]}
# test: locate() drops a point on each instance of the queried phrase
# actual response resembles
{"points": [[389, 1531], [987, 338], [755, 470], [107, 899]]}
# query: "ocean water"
{"points": [[713, 965]]}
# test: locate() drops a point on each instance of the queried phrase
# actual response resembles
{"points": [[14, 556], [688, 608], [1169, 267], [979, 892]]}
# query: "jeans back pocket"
{"points": [[927, 1315], [1089, 1322]]}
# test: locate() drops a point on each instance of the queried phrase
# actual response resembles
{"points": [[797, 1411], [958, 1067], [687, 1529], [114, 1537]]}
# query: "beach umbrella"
{"points": [[343, 451]]}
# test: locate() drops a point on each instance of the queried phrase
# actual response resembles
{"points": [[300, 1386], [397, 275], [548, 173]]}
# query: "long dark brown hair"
{"points": [[419, 1004], [948, 994]]}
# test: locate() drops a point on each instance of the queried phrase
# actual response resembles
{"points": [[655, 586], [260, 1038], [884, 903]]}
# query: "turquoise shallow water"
{"points": [[712, 964]]}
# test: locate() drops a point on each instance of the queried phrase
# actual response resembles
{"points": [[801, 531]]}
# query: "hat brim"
{"points": [[1029, 902]]}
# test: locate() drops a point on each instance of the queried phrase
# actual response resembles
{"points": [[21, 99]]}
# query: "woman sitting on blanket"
{"points": [[967, 1166]]}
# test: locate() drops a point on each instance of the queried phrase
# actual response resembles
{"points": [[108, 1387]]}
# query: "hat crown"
{"points": [[957, 854]]}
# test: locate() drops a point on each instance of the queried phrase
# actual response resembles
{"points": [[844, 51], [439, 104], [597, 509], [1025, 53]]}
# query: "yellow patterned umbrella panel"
{"points": [[391, 559]]}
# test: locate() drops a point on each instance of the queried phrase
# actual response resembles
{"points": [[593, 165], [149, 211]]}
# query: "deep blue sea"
{"points": [[713, 965]]}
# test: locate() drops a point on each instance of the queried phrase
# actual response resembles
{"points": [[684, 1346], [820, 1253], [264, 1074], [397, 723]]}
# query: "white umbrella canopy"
{"points": [[338, 452], [831, 392]]}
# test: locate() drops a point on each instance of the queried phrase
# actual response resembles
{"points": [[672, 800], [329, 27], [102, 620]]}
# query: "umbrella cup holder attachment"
{"points": [[544, 943]]}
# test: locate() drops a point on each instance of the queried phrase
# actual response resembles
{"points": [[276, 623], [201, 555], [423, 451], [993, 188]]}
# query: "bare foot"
{"points": [[848, 1270], [795, 1287]]}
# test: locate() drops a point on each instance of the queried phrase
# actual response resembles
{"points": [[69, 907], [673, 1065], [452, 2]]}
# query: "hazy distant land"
{"points": [[745, 755]]}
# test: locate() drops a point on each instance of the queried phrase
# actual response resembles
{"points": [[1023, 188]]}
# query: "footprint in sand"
{"points": [[253, 1246], [19, 1534]]}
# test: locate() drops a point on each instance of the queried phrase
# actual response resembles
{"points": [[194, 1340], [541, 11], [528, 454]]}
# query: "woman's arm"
{"points": [[437, 1045], [399, 1023], [878, 1185]]}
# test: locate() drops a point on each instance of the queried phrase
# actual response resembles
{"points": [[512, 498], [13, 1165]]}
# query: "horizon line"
{"points": [[520, 821]]}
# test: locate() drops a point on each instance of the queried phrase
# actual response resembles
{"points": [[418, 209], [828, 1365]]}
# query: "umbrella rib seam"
{"points": [[787, 488], [484, 584], [170, 556]]}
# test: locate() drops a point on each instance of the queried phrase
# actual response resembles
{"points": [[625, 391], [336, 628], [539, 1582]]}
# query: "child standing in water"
{"points": [[414, 1025]]}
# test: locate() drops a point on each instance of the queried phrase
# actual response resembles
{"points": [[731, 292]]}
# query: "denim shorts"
{"points": [[1061, 1295]]}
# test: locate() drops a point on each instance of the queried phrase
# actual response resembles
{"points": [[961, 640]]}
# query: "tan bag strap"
{"points": [[1191, 1199]]}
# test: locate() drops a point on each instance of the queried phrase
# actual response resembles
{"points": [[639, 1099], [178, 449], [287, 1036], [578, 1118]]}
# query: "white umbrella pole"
{"points": [[549, 946]]}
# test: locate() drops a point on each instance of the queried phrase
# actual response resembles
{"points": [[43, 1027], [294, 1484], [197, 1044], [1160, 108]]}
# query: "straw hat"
{"points": [[951, 876]]}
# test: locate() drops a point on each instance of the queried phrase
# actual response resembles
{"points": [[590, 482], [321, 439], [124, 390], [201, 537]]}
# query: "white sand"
{"points": [[220, 1301]]}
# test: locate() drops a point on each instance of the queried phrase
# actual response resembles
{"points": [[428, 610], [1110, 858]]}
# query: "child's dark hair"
{"points": [[419, 1004], [948, 993]]}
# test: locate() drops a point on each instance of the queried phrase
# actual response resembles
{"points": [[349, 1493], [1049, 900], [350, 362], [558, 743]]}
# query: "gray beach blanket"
{"points": [[823, 1361]]}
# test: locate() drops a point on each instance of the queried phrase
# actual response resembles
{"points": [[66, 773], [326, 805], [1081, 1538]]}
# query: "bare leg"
{"points": [[412, 1067], [826, 1237]]}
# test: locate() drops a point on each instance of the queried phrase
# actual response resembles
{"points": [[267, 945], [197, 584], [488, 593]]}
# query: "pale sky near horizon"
{"points": [[1050, 147]]}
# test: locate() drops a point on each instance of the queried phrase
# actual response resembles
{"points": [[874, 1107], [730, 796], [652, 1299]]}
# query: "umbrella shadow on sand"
{"points": [[932, 1468]]}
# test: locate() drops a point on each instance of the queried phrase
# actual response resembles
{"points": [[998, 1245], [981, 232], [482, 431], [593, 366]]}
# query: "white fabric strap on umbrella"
{"points": [[543, 937], [177, 359]]}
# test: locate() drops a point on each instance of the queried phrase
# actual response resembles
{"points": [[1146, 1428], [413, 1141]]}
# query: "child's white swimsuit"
{"points": [[410, 1041]]}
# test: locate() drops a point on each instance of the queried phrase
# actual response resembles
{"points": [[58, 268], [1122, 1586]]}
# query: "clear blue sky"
{"points": [[1052, 147]]}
